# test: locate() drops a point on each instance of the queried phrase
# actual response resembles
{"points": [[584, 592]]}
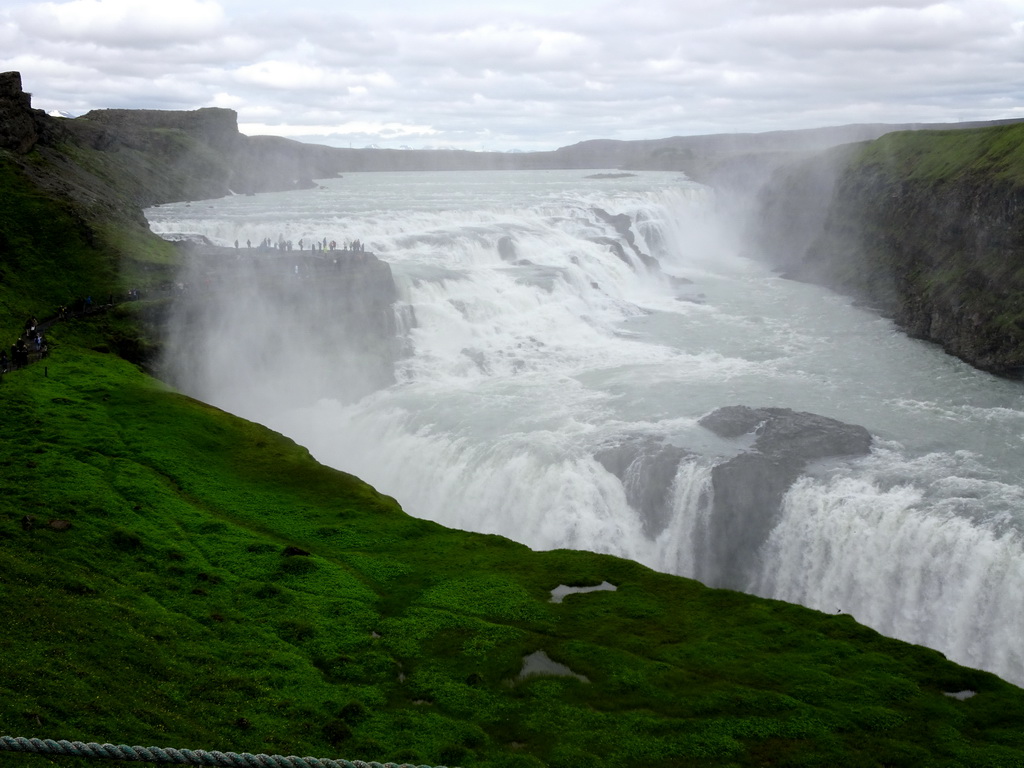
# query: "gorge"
{"points": [[574, 362], [574, 349]]}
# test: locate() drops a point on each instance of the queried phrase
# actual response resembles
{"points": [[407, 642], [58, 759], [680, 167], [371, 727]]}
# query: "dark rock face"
{"points": [[322, 327], [807, 437], [507, 249], [789, 434], [749, 488], [624, 227], [941, 253], [215, 127], [647, 467], [18, 131]]}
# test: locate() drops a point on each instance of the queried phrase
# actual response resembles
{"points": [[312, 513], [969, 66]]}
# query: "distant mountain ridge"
{"points": [[201, 153]]}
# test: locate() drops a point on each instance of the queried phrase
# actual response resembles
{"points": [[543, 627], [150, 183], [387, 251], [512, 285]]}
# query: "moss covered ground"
{"points": [[171, 613], [173, 575]]}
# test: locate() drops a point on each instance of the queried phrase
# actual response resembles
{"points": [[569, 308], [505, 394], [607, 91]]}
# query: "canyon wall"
{"points": [[927, 227]]}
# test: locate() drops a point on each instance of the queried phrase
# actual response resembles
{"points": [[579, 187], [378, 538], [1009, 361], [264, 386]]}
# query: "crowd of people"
{"points": [[31, 345], [267, 244]]}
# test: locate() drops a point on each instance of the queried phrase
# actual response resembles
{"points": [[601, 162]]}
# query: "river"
{"points": [[538, 339]]}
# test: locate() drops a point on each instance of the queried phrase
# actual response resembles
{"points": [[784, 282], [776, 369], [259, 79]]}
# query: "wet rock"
{"points": [[647, 467], [478, 357], [28, 522], [733, 420], [623, 225], [790, 434], [615, 247], [749, 488], [507, 249]]}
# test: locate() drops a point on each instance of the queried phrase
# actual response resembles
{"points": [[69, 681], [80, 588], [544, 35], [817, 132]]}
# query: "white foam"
{"points": [[520, 372]]}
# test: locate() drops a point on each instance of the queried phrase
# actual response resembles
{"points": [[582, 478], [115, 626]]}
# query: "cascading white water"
{"points": [[941, 548], [553, 377]]}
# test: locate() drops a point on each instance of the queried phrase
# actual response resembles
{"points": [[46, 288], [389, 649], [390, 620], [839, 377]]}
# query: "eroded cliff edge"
{"points": [[90, 177], [927, 227]]}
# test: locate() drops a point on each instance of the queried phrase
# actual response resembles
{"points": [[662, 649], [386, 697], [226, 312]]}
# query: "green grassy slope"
{"points": [[59, 248], [169, 613], [995, 154], [175, 611]]}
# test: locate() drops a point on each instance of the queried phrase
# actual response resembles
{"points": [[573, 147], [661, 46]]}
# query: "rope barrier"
{"points": [[179, 756]]}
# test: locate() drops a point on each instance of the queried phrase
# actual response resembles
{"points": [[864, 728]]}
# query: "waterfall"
{"points": [[561, 340], [897, 561]]}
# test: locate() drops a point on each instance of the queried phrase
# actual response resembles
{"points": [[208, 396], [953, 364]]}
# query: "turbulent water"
{"points": [[539, 340]]}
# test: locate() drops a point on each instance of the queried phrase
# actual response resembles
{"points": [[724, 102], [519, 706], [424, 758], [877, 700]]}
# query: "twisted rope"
{"points": [[179, 756]]}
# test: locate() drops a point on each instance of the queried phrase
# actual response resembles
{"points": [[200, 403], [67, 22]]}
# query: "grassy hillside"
{"points": [[995, 154], [170, 612], [173, 575]]}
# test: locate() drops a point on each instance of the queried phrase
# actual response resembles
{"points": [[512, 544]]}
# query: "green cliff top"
{"points": [[995, 153]]}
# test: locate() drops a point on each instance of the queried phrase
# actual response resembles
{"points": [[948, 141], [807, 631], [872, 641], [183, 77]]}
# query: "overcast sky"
{"points": [[523, 74]]}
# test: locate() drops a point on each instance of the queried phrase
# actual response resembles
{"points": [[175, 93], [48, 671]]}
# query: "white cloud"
{"points": [[122, 23], [338, 130], [528, 73]]}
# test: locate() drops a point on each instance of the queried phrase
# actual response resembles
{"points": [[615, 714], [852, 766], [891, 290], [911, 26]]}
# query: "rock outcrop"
{"points": [[748, 489], [218, 128], [266, 322], [623, 225], [647, 467], [21, 126], [18, 131]]}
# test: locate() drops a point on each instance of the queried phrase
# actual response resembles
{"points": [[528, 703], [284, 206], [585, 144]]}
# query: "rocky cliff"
{"points": [[199, 154], [18, 131], [927, 227], [262, 321], [97, 171]]}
